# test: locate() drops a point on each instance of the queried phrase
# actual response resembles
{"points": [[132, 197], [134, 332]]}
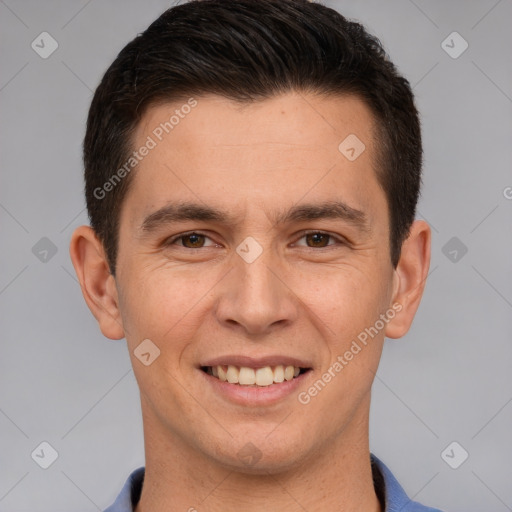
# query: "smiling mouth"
{"points": [[245, 376]]}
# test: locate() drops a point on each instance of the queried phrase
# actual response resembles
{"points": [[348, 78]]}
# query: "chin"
{"points": [[259, 455]]}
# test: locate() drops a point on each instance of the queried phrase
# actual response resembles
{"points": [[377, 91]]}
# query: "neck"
{"points": [[336, 476]]}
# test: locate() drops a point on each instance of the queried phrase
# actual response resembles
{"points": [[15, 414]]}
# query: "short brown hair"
{"points": [[250, 50]]}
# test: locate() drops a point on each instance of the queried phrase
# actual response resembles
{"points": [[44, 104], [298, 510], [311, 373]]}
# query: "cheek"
{"points": [[346, 298], [348, 304], [161, 305]]}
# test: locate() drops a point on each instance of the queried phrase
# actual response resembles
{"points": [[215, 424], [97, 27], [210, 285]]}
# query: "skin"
{"points": [[300, 297]]}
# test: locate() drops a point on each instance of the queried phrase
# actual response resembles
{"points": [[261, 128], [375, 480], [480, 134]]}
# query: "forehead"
{"points": [[278, 150]]}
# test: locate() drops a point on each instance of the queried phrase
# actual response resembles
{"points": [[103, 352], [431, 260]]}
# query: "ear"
{"points": [[97, 283], [409, 278]]}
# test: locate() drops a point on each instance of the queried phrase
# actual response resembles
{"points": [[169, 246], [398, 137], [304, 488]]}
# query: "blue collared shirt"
{"points": [[387, 488]]}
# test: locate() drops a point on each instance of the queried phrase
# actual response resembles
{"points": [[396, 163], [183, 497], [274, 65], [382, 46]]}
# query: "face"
{"points": [[249, 237]]}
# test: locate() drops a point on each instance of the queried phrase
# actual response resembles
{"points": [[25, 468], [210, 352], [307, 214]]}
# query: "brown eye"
{"points": [[317, 239], [193, 240]]}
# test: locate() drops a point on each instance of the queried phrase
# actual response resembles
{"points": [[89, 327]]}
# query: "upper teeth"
{"points": [[249, 376]]}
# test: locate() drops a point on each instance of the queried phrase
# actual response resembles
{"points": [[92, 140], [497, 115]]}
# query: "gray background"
{"points": [[448, 380]]}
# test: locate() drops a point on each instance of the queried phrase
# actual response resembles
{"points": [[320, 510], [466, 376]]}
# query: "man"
{"points": [[252, 170]]}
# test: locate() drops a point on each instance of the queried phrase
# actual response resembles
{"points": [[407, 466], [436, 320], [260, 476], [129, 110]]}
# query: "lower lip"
{"points": [[255, 395]]}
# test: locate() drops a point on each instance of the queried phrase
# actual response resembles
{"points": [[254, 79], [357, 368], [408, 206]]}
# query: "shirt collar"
{"points": [[387, 488]]}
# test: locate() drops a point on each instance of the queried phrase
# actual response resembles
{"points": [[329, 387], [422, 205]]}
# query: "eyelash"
{"points": [[339, 241]]}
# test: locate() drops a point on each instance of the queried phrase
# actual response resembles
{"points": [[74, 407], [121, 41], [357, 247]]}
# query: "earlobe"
{"points": [[410, 277], [97, 283]]}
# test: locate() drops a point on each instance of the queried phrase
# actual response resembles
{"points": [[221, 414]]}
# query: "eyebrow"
{"points": [[176, 212]]}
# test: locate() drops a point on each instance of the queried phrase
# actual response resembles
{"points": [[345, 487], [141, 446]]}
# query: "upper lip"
{"points": [[256, 362]]}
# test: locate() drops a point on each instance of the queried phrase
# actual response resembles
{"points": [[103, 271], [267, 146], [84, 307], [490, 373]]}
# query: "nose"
{"points": [[255, 297]]}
